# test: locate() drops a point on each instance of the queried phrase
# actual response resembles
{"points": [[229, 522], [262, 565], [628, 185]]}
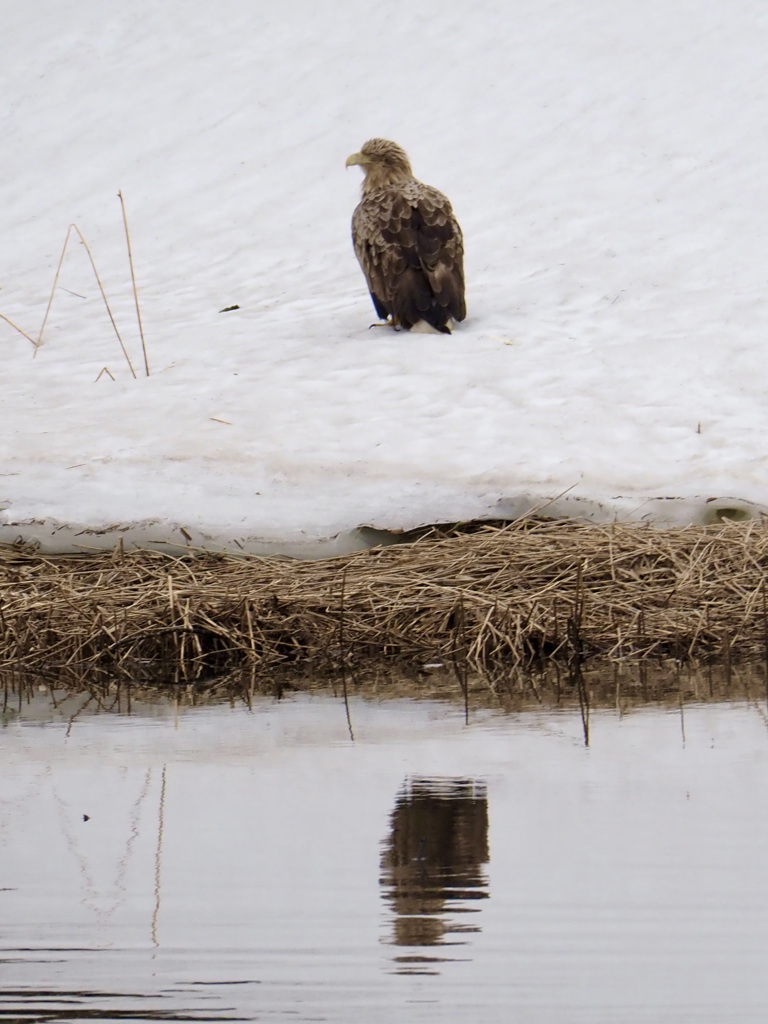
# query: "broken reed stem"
{"points": [[133, 282], [53, 288], [17, 328], [343, 655], [70, 229], [73, 227], [465, 659], [460, 654], [578, 680], [106, 300]]}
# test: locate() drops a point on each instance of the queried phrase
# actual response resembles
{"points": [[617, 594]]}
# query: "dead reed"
{"points": [[491, 600], [74, 229]]}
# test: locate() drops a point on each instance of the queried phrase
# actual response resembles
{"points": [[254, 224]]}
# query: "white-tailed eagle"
{"points": [[407, 241]]}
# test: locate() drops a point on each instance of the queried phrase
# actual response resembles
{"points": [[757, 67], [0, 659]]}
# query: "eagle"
{"points": [[407, 242]]}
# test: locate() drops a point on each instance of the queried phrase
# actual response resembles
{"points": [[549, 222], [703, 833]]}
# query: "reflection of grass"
{"points": [[622, 687], [492, 600]]}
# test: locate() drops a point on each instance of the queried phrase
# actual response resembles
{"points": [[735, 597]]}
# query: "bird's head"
{"points": [[383, 162]]}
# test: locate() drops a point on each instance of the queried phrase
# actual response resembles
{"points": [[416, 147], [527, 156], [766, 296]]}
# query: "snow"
{"points": [[606, 159]]}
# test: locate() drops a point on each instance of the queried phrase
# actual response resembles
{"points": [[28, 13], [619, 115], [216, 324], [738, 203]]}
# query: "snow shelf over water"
{"points": [[50, 536]]}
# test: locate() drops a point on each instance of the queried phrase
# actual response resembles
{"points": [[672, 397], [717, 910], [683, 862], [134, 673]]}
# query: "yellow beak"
{"points": [[356, 160]]}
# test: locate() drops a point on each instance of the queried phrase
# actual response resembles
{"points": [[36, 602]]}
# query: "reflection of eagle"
{"points": [[407, 241]]}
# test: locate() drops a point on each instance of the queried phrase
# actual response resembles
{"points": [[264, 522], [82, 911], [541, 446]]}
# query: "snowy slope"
{"points": [[607, 160]]}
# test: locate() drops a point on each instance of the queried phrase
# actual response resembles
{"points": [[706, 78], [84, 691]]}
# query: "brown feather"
{"points": [[407, 241]]}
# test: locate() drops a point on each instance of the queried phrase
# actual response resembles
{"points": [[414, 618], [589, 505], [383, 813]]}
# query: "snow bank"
{"points": [[606, 159]]}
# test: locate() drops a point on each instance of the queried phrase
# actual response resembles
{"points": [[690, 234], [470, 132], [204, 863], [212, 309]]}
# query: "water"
{"points": [[227, 864]]}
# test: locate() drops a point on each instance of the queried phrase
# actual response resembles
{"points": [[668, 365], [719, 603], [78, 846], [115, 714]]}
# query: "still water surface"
{"points": [[233, 864]]}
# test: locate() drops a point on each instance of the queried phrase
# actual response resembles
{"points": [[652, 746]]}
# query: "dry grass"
{"points": [[492, 601]]}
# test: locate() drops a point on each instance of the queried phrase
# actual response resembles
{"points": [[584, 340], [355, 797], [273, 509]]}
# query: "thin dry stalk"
{"points": [[70, 229], [133, 283], [17, 328], [106, 300], [53, 287]]}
